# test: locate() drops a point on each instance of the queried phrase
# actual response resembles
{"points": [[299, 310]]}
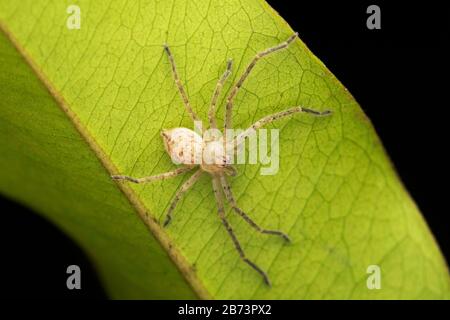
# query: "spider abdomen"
{"points": [[183, 145]]}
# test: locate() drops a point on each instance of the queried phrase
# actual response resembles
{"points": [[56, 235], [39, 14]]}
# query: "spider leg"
{"points": [[221, 211], [247, 71], [272, 117], [229, 195], [220, 83], [161, 176], [183, 94], [185, 187]]}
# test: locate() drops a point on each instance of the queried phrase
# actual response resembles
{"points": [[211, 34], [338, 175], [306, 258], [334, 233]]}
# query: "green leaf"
{"points": [[79, 105]]}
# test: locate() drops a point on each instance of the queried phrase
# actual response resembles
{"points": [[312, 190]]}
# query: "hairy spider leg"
{"points": [[183, 94], [229, 195], [219, 86], [238, 85], [161, 176], [275, 116], [185, 187], [220, 208]]}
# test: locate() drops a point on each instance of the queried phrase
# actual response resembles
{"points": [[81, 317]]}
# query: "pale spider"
{"points": [[186, 146]]}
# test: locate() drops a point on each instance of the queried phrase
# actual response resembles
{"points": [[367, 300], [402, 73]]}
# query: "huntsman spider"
{"points": [[192, 149]]}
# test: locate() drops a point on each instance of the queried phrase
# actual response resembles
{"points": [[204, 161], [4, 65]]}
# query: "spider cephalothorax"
{"points": [[210, 152]]}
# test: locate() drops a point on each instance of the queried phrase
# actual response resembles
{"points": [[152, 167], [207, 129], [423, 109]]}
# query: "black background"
{"points": [[398, 74]]}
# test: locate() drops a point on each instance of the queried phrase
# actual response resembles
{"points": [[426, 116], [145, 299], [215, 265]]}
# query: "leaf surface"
{"points": [[80, 105]]}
